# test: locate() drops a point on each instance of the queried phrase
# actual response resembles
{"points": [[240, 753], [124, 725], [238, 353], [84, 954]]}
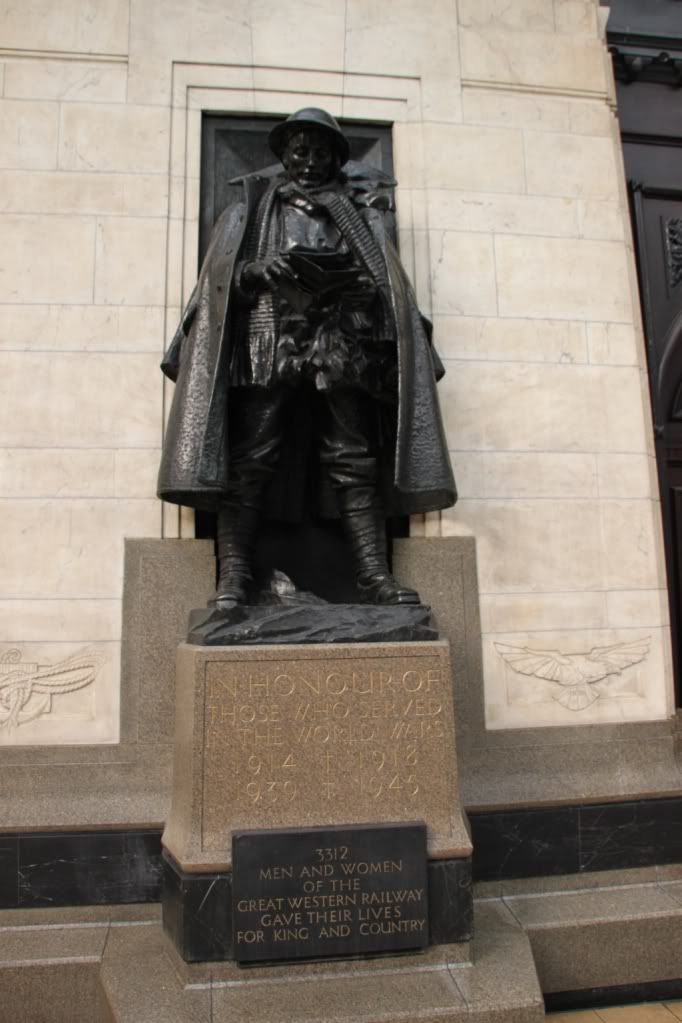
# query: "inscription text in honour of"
{"points": [[351, 741], [305, 893]]}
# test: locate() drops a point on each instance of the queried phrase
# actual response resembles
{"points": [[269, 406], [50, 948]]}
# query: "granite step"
{"points": [[115, 965], [614, 935]]}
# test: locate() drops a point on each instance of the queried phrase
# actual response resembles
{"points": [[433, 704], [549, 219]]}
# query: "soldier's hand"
{"points": [[253, 276], [258, 275], [276, 271]]}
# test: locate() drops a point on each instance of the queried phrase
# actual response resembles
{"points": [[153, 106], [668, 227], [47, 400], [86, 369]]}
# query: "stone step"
{"points": [[607, 936], [115, 965], [83, 967], [143, 979]]}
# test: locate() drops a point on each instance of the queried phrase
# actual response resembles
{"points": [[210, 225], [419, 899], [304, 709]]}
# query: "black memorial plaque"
{"points": [[337, 891]]}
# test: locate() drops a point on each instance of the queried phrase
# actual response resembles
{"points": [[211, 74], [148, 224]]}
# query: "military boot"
{"points": [[237, 525], [366, 534]]}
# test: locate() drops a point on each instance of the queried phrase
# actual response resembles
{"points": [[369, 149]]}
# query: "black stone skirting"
{"points": [[621, 994], [108, 867], [197, 908], [79, 868], [555, 840]]}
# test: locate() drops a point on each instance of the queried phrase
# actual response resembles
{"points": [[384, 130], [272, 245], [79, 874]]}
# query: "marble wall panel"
{"points": [[130, 139], [150, 79], [60, 693], [411, 210], [89, 81], [555, 278], [28, 134], [70, 192], [523, 15], [590, 117], [441, 94], [310, 32], [626, 476], [68, 547], [369, 109], [502, 214], [542, 407], [632, 545], [418, 41], [633, 608], [592, 684], [82, 400], [56, 472], [612, 344], [413, 40], [263, 102], [472, 158], [38, 620], [212, 32], [537, 59], [576, 17], [463, 273], [602, 218], [519, 612], [82, 328], [408, 154], [537, 111], [270, 79], [509, 340], [571, 165], [130, 264], [518, 474], [135, 472], [82, 26], [33, 258], [78, 472], [556, 544]]}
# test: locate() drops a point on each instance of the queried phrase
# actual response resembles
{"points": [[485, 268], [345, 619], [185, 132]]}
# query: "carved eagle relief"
{"points": [[27, 690], [576, 675]]}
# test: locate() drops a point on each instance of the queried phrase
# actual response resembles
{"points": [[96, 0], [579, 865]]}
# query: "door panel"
{"points": [[654, 168]]}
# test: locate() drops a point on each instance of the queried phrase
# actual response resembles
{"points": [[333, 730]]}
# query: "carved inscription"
{"points": [[327, 740], [326, 892]]}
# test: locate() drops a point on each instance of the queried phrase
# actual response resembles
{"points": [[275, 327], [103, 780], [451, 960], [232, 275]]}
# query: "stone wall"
{"points": [[513, 224], [547, 401]]}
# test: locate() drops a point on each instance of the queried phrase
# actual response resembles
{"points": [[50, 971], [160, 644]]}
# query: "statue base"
{"points": [[298, 736], [299, 622]]}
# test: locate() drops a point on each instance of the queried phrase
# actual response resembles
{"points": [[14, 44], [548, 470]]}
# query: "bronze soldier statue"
{"points": [[302, 296]]}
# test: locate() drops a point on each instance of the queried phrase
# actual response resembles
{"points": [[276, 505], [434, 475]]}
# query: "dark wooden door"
{"points": [[654, 168]]}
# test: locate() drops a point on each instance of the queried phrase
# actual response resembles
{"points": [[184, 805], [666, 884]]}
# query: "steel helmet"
{"points": [[309, 117]]}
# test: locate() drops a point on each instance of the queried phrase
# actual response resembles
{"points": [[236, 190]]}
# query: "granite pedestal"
{"points": [[298, 736]]}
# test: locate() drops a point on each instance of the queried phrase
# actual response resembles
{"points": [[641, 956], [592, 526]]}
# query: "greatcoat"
{"points": [[414, 467]]}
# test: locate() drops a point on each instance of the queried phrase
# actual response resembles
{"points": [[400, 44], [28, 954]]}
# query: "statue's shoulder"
{"points": [[369, 186], [258, 177]]}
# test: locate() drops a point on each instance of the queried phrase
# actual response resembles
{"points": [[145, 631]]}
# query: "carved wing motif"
{"points": [[615, 658], [576, 674], [26, 690], [548, 664]]}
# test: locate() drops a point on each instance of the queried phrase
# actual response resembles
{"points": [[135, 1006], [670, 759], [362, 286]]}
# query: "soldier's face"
{"points": [[309, 158]]}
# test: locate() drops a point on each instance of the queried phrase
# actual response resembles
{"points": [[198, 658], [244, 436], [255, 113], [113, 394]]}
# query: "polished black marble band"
{"points": [[119, 866], [197, 908], [547, 841], [621, 994], [79, 868]]}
